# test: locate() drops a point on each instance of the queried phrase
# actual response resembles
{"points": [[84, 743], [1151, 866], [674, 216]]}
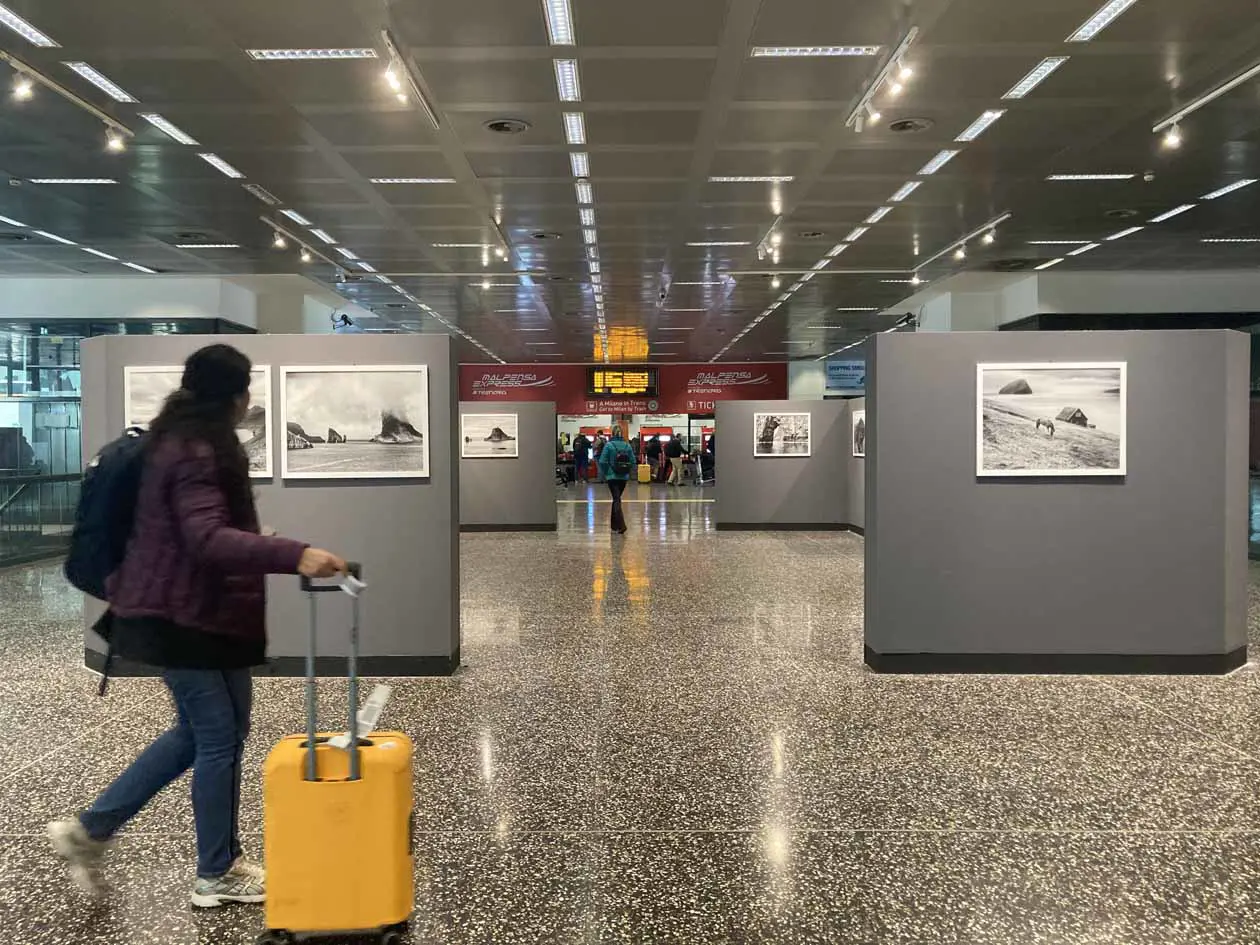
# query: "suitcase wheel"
{"points": [[392, 937], [276, 937]]}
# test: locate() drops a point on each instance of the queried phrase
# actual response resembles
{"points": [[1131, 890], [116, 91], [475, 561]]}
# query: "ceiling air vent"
{"points": [[507, 126], [544, 235], [1121, 213], [910, 126]]}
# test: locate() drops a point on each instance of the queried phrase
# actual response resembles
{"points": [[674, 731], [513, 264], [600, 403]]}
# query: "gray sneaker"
{"points": [[82, 854], [244, 882]]}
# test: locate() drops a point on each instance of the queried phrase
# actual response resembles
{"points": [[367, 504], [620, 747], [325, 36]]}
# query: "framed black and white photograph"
{"points": [[355, 422], [859, 434], [488, 436], [145, 389], [781, 434], [1051, 419]]}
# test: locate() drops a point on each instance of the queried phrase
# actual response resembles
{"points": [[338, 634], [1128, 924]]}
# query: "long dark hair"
{"points": [[204, 409]]}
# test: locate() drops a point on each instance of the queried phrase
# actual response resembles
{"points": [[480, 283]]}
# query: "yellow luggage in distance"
{"points": [[337, 824], [645, 472]]}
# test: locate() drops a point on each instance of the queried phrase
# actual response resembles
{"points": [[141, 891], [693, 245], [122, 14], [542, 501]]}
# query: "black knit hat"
{"points": [[216, 372]]}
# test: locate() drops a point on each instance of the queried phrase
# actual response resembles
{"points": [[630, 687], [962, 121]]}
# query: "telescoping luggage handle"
{"points": [[311, 588]]}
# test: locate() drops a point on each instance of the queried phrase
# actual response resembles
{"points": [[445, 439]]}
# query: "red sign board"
{"points": [[684, 388]]}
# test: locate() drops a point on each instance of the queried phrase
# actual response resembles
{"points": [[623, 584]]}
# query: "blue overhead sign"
{"points": [[847, 376]]}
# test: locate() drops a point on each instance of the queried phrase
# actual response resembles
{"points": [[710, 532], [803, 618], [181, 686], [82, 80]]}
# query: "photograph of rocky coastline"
{"points": [[355, 422], [488, 436], [146, 388]]}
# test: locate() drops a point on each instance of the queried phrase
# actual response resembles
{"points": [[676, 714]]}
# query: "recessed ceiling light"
{"points": [[1229, 189], [1084, 249], [1055, 242], [580, 163], [325, 236], [56, 239], [587, 216], [854, 308], [297, 54], [856, 234], [1235, 239], [366, 267], [100, 81], [73, 180], [97, 252], [220, 165], [1047, 265], [207, 245], [1123, 233], [1100, 20], [574, 128], [296, 217], [837, 250], [1042, 71], [9, 221], [25, 29], [139, 268], [934, 165], [906, 190], [719, 282], [568, 86], [758, 52], [1091, 177], [583, 190], [897, 281], [721, 243], [559, 22], [348, 253], [589, 236], [879, 215], [981, 124], [262, 193], [1175, 211], [413, 180], [674, 328], [752, 180], [167, 128]]}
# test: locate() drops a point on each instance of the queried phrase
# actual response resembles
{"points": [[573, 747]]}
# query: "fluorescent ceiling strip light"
{"points": [[296, 217], [981, 124], [366, 267], [1091, 177], [462, 245], [808, 276], [1235, 239], [263, 194], [1105, 16], [575, 128], [1055, 242], [1084, 249], [719, 282], [1050, 264], [1175, 211], [111, 89], [583, 190], [587, 216], [559, 22], [168, 129], [822, 263], [273, 55], [9, 221], [413, 180], [595, 267], [220, 165], [26, 30], [878, 215], [97, 252], [580, 163], [139, 268], [752, 180], [1123, 233], [348, 253], [73, 180], [837, 250], [207, 245], [721, 243], [568, 85], [857, 234], [56, 239], [589, 236], [1042, 71], [324, 235], [762, 52], [853, 308], [934, 165], [906, 190], [1236, 185]]}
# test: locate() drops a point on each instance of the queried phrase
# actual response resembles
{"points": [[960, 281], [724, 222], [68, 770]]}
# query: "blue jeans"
{"points": [[213, 708]]}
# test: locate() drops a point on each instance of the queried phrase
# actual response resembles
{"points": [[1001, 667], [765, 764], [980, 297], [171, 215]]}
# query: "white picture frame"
{"points": [[857, 433], [782, 435], [1058, 419], [352, 400], [146, 387], [489, 436]]}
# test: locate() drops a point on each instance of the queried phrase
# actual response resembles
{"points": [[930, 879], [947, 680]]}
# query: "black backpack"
{"points": [[106, 513], [623, 461]]}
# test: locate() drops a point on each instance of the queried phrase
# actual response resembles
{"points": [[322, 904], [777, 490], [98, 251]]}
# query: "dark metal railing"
{"points": [[36, 515]]}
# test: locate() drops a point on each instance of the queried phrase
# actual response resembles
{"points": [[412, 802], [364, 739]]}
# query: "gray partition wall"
{"points": [[1141, 573], [404, 531], [517, 494], [783, 492]]}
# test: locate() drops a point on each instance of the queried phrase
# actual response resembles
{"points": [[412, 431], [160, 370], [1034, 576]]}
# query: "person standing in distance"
{"points": [[189, 599], [674, 452], [616, 464], [581, 457]]}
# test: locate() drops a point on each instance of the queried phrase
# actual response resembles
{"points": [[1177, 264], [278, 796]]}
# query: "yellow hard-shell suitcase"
{"points": [[337, 824], [645, 472]]}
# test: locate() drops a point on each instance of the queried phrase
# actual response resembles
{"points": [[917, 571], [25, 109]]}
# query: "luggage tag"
{"points": [[368, 716]]}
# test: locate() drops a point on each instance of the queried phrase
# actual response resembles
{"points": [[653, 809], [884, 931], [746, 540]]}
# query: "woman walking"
{"points": [[189, 599]]}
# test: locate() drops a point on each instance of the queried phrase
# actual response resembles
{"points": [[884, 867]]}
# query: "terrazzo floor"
{"points": [[671, 739]]}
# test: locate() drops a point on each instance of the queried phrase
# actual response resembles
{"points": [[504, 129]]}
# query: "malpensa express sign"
{"points": [[682, 388]]}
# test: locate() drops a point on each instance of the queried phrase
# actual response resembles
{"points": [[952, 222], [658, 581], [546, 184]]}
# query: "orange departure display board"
{"points": [[621, 382]]}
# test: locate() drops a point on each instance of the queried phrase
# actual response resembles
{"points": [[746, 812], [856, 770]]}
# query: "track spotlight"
{"points": [[501, 252], [775, 282], [905, 73], [485, 283], [896, 89], [776, 239], [1172, 138], [774, 255], [915, 280], [23, 89], [874, 114], [279, 242], [960, 253], [989, 238], [306, 255], [114, 141]]}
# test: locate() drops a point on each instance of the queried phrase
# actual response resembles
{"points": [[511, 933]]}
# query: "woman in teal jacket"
{"points": [[617, 465]]}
